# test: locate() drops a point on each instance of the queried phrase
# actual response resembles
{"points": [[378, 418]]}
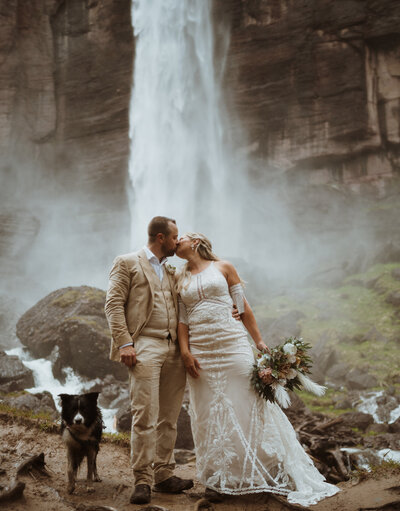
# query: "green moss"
{"points": [[371, 433], [81, 294], [345, 314], [324, 404], [66, 299], [384, 469], [42, 419], [91, 323], [123, 439], [14, 394]]}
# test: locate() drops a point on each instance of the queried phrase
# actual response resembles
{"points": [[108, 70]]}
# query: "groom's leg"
{"points": [[172, 388], [144, 390]]}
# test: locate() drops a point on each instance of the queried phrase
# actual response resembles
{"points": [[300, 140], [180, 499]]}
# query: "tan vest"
{"points": [[163, 319]]}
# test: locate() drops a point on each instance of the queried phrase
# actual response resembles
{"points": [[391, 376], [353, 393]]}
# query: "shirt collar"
{"points": [[153, 258]]}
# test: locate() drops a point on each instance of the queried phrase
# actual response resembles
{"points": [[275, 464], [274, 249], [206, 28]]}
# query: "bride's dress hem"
{"points": [[314, 497]]}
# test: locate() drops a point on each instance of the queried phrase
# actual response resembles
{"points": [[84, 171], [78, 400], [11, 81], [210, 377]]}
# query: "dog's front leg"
{"points": [[95, 474], [72, 471], [91, 460]]}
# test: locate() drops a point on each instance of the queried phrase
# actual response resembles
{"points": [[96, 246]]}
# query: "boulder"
{"points": [[394, 427], [37, 403], [390, 253], [359, 379], [14, 375], [395, 273], [276, 331], [358, 420], [378, 428], [337, 372], [324, 357], [70, 326], [184, 438], [184, 456], [112, 393], [124, 418], [393, 298], [374, 335]]}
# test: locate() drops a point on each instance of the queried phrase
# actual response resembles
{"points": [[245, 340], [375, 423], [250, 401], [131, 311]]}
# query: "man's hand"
{"points": [[235, 313], [192, 365], [127, 356]]}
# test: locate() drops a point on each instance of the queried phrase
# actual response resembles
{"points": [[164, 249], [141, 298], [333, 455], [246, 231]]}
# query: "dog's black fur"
{"points": [[81, 430]]}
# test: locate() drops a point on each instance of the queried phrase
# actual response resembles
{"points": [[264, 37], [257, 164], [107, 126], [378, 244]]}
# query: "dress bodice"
{"points": [[208, 286]]}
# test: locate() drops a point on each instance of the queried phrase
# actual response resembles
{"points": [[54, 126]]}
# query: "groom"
{"points": [[141, 309]]}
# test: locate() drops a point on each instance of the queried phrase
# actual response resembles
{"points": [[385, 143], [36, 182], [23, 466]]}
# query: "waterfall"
{"points": [[187, 162], [180, 164]]}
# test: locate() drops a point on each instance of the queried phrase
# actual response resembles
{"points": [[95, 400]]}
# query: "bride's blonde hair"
{"points": [[203, 248]]}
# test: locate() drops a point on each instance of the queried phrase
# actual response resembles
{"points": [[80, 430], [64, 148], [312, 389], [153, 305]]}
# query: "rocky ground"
{"points": [[353, 326], [20, 439]]}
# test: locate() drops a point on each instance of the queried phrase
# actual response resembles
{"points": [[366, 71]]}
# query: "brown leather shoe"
{"points": [[173, 484], [141, 494], [212, 495]]}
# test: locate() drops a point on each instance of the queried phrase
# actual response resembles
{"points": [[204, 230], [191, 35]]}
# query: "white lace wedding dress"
{"points": [[243, 443]]}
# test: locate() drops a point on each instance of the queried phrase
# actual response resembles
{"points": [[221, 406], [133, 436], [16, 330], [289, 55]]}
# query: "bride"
{"points": [[243, 443]]}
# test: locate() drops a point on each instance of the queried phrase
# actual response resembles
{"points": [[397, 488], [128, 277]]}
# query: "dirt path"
{"points": [[49, 493]]}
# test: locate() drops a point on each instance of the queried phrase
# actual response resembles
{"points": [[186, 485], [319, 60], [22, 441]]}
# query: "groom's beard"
{"points": [[169, 253]]}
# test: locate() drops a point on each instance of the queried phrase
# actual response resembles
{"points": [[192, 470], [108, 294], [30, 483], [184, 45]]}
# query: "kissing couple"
{"points": [[169, 327]]}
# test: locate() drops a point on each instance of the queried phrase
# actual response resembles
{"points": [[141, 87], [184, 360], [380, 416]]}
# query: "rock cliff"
{"points": [[317, 85], [65, 80]]}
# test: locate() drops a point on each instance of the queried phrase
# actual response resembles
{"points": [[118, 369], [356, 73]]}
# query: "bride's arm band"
{"points": [[237, 295]]}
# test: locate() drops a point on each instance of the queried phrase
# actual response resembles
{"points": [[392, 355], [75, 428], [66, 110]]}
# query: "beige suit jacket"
{"points": [[129, 300]]}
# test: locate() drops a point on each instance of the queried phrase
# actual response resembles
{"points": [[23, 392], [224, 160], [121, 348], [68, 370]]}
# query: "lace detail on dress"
{"points": [[243, 444]]}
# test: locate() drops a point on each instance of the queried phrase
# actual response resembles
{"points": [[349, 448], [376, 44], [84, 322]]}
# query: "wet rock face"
{"points": [[66, 78], [14, 375], [37, 403], [318, 84], [66, 74], [358, 420], [70, 326]]}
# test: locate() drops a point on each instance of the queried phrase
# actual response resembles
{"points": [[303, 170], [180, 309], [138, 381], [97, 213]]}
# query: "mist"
{"points": [[192, 159]]}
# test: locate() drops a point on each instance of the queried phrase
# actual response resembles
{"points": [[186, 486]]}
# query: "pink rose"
{"points": [[266, 375]]}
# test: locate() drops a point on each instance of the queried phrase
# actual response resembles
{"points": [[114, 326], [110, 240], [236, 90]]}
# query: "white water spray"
{"points": [[180, 163], [45, 381]]}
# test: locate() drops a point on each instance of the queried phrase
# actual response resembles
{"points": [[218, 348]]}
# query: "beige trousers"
{"points": [[157, 384]]}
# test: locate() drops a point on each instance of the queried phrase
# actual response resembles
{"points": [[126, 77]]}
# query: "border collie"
{"points": [[81, 430]]}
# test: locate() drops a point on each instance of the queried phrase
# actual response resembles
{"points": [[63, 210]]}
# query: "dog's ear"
{"points": [[92, 396], [65, 397]]}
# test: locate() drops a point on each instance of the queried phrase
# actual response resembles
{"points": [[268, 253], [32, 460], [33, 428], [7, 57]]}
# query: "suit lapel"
{"points": [[171, 279], [147, 269]]}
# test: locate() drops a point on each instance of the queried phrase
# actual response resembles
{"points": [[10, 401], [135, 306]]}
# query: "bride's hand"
{"points": [[192, 365], [263, 347]]}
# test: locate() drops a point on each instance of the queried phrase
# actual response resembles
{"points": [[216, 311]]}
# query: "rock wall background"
{"points": [[317, 85], [65, 80]]}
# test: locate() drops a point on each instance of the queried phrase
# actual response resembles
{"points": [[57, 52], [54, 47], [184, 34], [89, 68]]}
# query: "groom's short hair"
{"points": [[159, 224]]}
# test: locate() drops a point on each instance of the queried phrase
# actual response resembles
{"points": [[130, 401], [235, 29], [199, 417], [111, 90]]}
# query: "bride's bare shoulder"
{"points": [[226, 267]]}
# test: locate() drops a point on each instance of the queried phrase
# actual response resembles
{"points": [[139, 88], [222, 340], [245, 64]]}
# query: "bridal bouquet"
{"points": [[284, 368]]}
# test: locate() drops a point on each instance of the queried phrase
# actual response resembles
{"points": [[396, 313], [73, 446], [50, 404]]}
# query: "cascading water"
{"points": [[180, 163], [45, 381]]}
